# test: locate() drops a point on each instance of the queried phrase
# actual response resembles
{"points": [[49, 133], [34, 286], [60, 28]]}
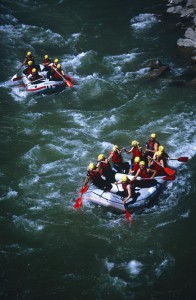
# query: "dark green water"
{"points": [[48, 250]]}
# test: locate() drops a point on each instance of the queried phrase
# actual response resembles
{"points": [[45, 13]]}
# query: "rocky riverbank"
{"points": [[186, 10]]}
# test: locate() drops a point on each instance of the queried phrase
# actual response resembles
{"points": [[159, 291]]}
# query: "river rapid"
{"points": [[49, 250]]}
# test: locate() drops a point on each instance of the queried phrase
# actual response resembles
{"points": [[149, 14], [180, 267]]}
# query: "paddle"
{"points": [[181, 159], [128, 215], [78, 203], [15, 77], [163, 178], [69, 83]]}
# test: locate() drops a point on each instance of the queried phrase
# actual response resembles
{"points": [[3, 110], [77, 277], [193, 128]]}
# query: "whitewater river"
{"points": [[49, 250]]}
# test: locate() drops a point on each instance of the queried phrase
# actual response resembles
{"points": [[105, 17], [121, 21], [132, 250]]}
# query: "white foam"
{"points": [[134, 267], [143, 21]]}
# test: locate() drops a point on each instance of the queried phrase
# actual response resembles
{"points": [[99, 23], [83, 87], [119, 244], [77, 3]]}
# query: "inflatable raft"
{"points": [[145, 192], [43, 85]]}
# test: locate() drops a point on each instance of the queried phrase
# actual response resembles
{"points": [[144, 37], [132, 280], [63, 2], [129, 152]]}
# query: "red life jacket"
{"points": [[159, 169], [57, 76], [95, 176], [53, 66], [135, 166], [46, 62], [29, 58], [35, 76], [144, 174], [116, 157], [150, 144], [125, 184], [29, 70], [136, 152]]}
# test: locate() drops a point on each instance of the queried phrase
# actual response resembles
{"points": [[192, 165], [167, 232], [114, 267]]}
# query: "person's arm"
{"points": [[129, 151], [86, 180], [138, 172], [110, 155], [129, 194], [156, 146], [154, 172]]}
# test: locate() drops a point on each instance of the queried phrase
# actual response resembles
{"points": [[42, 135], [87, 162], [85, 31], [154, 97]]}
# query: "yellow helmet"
{"points": [[101, 157], [56, 60], [58, 66], [115, 147], [91, 166], [30, 63], [161, 148], [34, 70], [158, 153], [46, 56], [134, 143], [153, 135], [137, 159], [28, 53], [124, 178], [142, 163]]}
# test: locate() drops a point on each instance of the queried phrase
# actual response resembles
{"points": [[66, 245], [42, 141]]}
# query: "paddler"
{"points": [[95, 176], [136, 150], [117, 160], [151, 147], [105, 168], [46, 62], [28, 57], [135, 166], [35, 76], [128, 188]]}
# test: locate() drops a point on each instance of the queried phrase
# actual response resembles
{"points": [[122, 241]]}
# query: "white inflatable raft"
{"points": [[142, 198], [43, 85]]}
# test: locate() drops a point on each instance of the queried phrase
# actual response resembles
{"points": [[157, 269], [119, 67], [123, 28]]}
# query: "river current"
{"points": [[49, 250]]}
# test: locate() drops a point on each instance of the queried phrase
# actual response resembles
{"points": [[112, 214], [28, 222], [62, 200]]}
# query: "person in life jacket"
{"points": [[52, 68], [157, 163], [58, 73], [136, 150], [28, 57], [128, 188], [35, 76], [29, 68], [46, 62], [135, 166], [145, 173], [105, 168], [94, 176], [151, 146], [117, 160], [164, 155]]}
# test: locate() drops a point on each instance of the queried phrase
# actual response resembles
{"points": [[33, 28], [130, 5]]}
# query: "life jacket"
{"points": [[105, 168], [35, 76], [56, 75], [158, 168], [150, 144], [136, 152], [125, 184], [144, 174], [135, 166], [52, 67], [46, 62], [29, 58], [116, 157], [95, 176], [29, 70]]}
